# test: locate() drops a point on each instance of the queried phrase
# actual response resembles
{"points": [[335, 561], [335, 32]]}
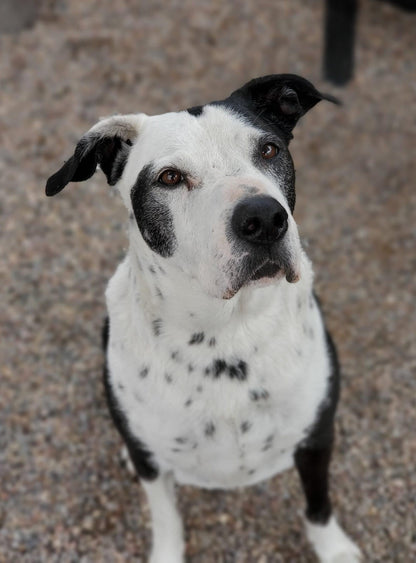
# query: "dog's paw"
{"points": [[125, 461], [165, 557], [331, 543]]}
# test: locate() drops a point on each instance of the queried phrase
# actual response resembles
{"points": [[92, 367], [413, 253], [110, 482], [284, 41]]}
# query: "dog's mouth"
{"points": [[268, 270], [272, 269], [266, 273]]}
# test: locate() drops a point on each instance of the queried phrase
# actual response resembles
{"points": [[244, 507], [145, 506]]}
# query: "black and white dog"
{"points": [[220, 372]]}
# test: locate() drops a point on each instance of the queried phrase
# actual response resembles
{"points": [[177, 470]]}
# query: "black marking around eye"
{"points": [[152, 213]]}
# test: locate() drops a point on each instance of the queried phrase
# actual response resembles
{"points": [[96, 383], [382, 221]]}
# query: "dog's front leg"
{"points": [[330, 542], [168, 544]]}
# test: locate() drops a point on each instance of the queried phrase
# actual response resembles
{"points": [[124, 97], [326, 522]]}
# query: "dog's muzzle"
{"points": [[259, 225]]}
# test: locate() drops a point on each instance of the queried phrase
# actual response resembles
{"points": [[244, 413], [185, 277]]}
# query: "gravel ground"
{"points": [[64, 495]]}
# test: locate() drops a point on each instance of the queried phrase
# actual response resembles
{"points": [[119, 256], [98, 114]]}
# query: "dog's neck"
{"points": [[165, 292]]}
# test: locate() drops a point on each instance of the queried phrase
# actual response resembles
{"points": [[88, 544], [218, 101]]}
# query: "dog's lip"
{"points": [[267, 270], [272, 269]]}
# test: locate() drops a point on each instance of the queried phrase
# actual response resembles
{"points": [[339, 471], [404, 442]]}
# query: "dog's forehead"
{"points": [[216, 130]]}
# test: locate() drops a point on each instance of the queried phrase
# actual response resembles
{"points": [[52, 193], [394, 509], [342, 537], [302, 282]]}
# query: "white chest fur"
{"points": [[221, 399]]}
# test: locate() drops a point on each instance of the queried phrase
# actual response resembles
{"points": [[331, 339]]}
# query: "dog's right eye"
{"points": [[170, 177]]}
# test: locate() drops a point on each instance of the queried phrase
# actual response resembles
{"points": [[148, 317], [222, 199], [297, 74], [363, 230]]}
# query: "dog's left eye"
{"points": [[269, 150], [170, 177]]}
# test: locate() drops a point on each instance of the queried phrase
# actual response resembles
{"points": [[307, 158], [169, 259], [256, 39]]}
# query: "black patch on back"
{"points": [[196, 111], [140, 456], [152, 214]]}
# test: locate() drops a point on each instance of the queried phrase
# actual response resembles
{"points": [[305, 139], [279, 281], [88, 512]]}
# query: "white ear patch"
{"points": [[125, 126]]}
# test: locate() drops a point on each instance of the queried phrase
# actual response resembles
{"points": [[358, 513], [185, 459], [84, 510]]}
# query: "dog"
{"points": [[220, 372]]}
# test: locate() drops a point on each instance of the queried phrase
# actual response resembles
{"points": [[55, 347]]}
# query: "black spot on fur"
{"points": [[144, 372], [175, 355], [197, 338], [209, 429], [259, 394], [152, 270], [168, 378], [181, 440], [219, 367], [153, 215], [120, 386], [196, 111], [212, 342], [268, 443], [190, 368], [199, 388], [237, 370], [188, 403], [157, 326], [245, 426]]}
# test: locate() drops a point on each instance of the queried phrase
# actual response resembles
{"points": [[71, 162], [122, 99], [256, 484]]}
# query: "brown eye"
{"points": [[170, 177], [269, 150]]}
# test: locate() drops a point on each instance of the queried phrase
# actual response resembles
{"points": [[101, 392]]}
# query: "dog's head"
{"points": [[212, 188]]}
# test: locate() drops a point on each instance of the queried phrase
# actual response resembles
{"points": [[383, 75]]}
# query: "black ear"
{"points": [[107, 144], [280, 99]]}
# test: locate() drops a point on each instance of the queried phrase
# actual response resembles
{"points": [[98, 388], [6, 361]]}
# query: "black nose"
{"points": [[259, 220]]}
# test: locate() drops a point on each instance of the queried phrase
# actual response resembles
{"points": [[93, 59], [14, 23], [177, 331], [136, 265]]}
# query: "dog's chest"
{"points": [[221, 414]]}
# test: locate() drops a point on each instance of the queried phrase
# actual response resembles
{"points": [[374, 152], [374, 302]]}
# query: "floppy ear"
{"points": [[107, 144], [280, 99]]}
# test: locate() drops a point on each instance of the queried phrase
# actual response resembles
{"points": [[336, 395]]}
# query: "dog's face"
{"points": [[212, 189]]}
